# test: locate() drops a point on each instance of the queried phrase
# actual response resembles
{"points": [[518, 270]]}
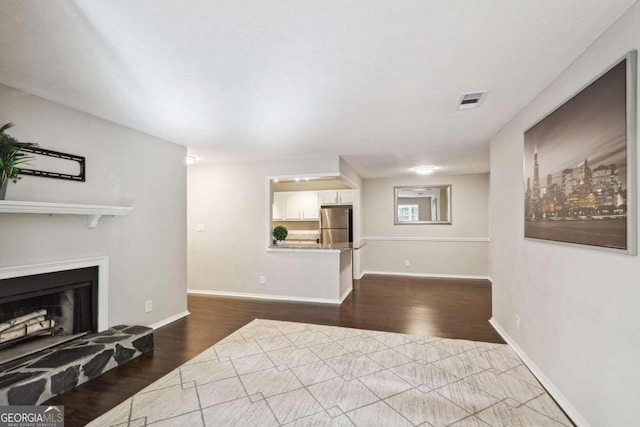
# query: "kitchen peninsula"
{"points": [[315, 262], [335, 278]]}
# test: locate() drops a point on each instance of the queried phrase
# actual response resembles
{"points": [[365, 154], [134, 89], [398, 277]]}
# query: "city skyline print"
{"points": [[576, 166]]}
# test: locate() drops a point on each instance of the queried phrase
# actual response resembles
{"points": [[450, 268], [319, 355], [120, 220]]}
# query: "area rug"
{"points": [[272, 373]]}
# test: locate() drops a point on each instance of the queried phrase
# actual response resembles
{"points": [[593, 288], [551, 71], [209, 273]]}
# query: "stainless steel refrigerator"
{"points": [[336, 224]]}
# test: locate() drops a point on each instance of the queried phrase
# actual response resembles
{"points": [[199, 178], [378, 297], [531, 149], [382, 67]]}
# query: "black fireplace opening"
{"points": [[66, 303]]}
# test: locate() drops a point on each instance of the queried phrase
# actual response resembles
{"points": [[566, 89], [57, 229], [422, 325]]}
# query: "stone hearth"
{"points": [[38, 377]]}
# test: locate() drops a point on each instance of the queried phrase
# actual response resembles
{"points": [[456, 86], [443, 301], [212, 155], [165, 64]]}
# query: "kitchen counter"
{"points": [[326, 267], [319, 246]]}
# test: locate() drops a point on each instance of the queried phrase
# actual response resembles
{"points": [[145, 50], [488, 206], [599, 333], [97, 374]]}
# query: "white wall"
{"points": [[356, 181], [459, 249], [230, 255], [578, 306], [147, 249]]}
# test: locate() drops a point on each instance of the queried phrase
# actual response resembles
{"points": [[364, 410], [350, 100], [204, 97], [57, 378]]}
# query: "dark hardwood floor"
{"points": [[450, 308]]}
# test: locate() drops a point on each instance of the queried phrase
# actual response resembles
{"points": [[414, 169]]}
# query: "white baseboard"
{"points": [[346, 294], [263, 296], [358, 277], [560, 399], [437, 276], [169, 319]]}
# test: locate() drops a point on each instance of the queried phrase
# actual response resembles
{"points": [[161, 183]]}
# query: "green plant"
{"points": [[11, 155], [280, 232]]}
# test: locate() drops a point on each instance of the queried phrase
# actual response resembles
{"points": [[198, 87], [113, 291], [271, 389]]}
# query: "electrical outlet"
{"points": [[200, 228], [263, 280], [517, 322], [407, 263], [148, 306]]}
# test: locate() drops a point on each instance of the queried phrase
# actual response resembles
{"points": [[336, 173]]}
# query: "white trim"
{"points": [[262, 296], [346, 294], [354, 185], [436, 276], [557, 395], [305, 175], [306, 250], [269, 215], [93, 212], [360, 276], [50, 267], [169, 319], [426, 239]]}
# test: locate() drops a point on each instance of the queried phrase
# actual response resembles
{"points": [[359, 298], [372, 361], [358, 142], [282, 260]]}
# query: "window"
{"points": [[408, 213]]}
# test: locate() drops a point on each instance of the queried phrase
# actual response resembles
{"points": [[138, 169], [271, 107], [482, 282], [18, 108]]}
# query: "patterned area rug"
{"points": [[272, 373]]}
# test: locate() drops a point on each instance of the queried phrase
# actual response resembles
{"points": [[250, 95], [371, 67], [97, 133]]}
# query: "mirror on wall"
{"points": [[422, 204]]}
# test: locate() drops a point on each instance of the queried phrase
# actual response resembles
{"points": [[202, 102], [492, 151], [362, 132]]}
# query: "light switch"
{"points": [[200, 227]]}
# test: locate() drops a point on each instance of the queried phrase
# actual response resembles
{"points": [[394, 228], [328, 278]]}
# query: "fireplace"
{"points": [[60, 303], [74, 294]]}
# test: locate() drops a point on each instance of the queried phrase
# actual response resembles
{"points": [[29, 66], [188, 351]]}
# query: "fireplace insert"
{"points": [[58, 303]]}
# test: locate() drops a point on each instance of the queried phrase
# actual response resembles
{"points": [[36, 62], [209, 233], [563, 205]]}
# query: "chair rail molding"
{"points": [[425, 239]]}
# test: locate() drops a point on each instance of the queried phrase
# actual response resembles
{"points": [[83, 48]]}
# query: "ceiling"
{"points": [[376, 82]]}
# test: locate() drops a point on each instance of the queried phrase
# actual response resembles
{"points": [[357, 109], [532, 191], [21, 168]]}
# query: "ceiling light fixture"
{"points": [[424, 170], [276, 180], [297, 179], [191, 160]]}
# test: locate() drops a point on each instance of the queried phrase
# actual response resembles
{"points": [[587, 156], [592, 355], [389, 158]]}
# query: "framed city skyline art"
{"points": [[580, 166]]}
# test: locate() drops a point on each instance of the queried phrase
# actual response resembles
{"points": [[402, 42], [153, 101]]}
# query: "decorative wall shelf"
{"points": [[93, 212]]}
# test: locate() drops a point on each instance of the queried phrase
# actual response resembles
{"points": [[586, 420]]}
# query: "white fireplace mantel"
{"points": [[93, 212]]}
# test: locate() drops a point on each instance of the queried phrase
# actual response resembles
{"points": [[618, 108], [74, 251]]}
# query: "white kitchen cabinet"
{"points": [[336, 197], [279, 201], [345, 197], [328, 197], [310, 206], [296, 206], [293, 203]]}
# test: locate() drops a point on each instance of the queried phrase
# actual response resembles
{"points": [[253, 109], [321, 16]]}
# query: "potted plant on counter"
{"points": [[280, 233], [11, 156]]}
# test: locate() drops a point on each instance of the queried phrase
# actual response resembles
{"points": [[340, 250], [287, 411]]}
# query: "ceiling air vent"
{"points": [[471, 100]]}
